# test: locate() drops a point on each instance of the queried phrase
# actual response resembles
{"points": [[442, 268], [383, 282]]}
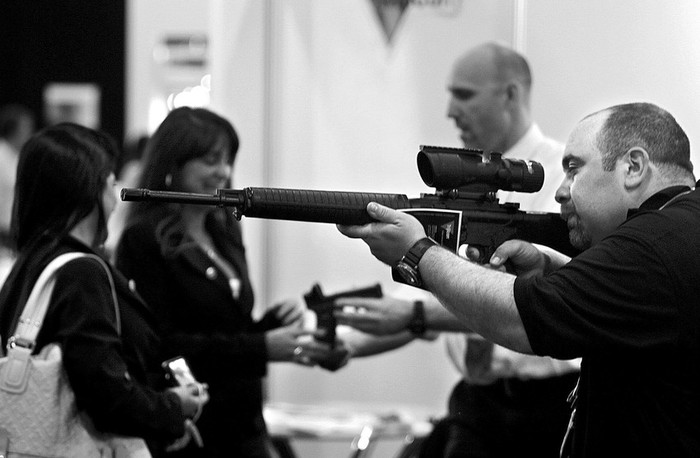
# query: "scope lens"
{"points": [[425, 168]]}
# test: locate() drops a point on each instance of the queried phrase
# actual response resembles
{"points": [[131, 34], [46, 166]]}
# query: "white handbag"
{"points": [[38, 415]]}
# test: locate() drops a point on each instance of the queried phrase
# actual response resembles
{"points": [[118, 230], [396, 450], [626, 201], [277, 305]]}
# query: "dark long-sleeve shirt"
{"points": [[116, 378], [630, 306]]}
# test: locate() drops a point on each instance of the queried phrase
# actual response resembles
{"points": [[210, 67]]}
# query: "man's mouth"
{"points": [[467, 136], [572, 221], [570, 217]]}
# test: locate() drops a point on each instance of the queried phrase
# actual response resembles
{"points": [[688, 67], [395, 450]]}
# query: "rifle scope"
{"points": [[459, 168]]}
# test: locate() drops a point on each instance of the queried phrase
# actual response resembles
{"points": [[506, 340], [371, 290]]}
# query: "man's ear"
{"points": [[514, 92], [636, 166]]}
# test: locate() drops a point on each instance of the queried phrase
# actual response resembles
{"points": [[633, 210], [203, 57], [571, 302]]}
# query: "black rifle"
{"points": [[322, 305], [466, 181]]}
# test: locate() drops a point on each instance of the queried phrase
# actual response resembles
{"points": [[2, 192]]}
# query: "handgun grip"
{"points": [[323, 307]]}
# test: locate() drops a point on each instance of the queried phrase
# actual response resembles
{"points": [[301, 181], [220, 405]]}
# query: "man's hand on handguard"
{"points": [[391, 236]]}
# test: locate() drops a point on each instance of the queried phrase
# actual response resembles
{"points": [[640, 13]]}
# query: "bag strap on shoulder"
{"points": [[35, 309], [38, 303], [20, 346]]}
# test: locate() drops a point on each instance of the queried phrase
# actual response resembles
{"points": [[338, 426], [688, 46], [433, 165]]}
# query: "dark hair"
{"points": [[185, 134], [61, 176], [647, 126], [132, 150]]}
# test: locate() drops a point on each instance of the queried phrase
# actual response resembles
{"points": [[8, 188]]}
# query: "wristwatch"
{"points": [[407, 268], [417, 324]]}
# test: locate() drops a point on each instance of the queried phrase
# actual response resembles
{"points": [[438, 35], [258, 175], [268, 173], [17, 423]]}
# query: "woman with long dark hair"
{"points": [[189, 262], [64, 195]]}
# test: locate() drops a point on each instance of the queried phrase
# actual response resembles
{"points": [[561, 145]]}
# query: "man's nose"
{"points": [[562, 194], [452, 110], [224, 169]]}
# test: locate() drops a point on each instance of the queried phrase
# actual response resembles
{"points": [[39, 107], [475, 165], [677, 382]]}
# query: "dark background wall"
{"points": [[77, 41]]}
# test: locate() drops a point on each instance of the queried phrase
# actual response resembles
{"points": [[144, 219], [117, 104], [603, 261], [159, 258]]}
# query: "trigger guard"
{"points": [[484, 255]]}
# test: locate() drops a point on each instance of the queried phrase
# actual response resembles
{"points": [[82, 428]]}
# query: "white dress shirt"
{"points": [[507, 363]]}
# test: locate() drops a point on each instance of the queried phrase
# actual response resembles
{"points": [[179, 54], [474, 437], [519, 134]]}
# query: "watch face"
{"points": [[408, 273]]}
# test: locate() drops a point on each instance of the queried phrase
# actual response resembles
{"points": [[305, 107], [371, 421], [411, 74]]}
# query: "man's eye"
{"points": [[463, 95], [211, 158], [569, 167]]}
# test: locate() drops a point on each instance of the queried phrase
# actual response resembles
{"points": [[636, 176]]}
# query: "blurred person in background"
{"points": [[506, 403], [189, 262], [17, 124], [127, 171]]}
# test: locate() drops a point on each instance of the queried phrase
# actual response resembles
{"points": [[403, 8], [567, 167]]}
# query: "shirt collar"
{"points": [[659, 199], [527, 143]]}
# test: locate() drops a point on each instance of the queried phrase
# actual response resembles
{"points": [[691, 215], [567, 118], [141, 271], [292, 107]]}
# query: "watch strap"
{"points": [[416, 252], [417, 325], [406, 270]]}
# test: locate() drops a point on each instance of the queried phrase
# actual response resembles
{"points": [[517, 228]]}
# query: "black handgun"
{"points": [[322, 305]]}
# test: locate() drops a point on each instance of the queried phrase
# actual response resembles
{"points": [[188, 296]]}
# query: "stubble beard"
{"points": [[578, 236]]}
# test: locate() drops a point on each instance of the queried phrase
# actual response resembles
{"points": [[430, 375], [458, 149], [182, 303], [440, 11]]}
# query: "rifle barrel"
{"points": [[148, 195], [338, 207]]}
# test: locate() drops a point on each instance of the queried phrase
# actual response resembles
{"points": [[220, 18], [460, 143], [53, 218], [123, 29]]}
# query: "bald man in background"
{"points": [[507, 403]]}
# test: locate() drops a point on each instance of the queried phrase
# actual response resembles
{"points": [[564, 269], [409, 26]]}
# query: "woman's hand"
{"points": [[338, 357], [193, 397], [292, 343], [289, 312]]}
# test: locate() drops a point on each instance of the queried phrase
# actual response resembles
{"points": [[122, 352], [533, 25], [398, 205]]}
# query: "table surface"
{"points": [[341, 421]]}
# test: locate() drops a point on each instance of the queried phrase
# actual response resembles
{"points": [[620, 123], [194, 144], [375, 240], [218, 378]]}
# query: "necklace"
{"points": [[206, 243]]}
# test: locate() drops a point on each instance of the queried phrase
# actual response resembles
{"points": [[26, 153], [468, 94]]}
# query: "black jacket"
{"points": [[201, 320], [117, 381]]}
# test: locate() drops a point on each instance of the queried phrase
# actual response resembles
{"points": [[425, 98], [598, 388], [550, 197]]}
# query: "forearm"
{"points": [[480, 298], [438, 318], [362, 344]]}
